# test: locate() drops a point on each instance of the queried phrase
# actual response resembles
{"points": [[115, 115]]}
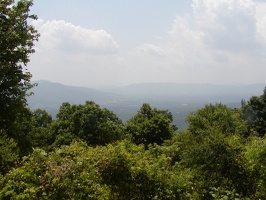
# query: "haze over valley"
{"points": [[125, 101]]}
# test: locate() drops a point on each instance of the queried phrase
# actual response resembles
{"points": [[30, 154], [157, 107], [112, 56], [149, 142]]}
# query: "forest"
{"points": [[87, 152]]}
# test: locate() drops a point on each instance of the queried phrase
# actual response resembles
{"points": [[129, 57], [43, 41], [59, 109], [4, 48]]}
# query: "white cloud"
{"points": [[151, 49], [261, 21], [68, 38], [74, 55], [221, 42], [227, 25]]}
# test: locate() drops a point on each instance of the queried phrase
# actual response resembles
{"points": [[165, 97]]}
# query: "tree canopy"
{"points": [[150, 126], [217, 117], [89, 122], [16, 46], [255, 113]]}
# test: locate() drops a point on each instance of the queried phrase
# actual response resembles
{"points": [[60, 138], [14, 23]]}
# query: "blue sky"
{"points": [[93, 43]]}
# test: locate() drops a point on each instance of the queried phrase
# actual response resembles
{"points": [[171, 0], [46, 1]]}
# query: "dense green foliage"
{"points": [[150, 126], [219, 117], [119, 171], [88, 122], [8, 151], [255, 113]]}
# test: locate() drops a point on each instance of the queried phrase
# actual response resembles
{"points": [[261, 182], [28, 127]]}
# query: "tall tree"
{"points": [[220, 117], [17, 38], [255, 113], [150, 126], [89, 122]]}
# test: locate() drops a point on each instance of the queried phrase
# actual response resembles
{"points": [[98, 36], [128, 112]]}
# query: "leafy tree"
{"points": [[89, 122], [213, 162], [256, 158], [225, 120], [41, 135], [42, 118], [255, 113], [20, 131], [213, 148], [8, 152], [218, 162], [16, 45], [150, 126]]}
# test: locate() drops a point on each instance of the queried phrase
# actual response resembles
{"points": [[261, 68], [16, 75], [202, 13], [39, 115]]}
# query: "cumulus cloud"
{"points": [[227, 25], [233, 26], [151, 49], [261, 21], [219, 40], [68, 38]]}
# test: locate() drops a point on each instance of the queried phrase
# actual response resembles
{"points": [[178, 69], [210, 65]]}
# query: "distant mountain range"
{"points": [[47, 93], [125, 101], [190, 89], [50, 96]]}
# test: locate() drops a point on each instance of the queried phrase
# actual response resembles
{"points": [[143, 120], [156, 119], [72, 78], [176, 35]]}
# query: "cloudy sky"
{"points": [[116, 42]]}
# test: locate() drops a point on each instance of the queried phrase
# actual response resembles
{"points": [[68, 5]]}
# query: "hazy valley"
{"points": [[125, 101]]}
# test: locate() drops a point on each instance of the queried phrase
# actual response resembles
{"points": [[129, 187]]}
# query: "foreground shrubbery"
{"points": [[118, 171], [183, 168]]}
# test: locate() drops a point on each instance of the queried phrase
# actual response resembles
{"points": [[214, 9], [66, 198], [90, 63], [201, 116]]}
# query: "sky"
{"points": [[116, 42]]}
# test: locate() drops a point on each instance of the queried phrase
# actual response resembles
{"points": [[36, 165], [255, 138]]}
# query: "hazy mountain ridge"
{"points": [[50, 92], [125, 101], [49, 96], [177, 89]]}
